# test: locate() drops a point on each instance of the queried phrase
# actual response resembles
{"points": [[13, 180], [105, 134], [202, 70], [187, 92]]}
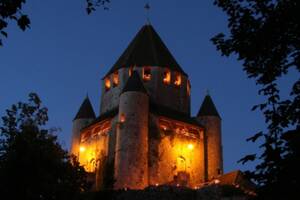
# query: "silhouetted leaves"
{"points": [[265, 35], [255, 137], [11, 10], [33, 165], [247, 158], [23, 22], [92, 4]]}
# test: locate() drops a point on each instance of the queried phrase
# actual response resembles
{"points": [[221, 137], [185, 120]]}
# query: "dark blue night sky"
{"points": [[66, 53]]}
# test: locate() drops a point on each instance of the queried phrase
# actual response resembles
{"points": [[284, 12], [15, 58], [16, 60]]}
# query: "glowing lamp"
{"points": [[190, 146], [82, 149], [217, 181]]}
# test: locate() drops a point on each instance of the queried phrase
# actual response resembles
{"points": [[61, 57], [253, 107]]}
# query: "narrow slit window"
{"points": [[130, 71], [177, 80], [122, 118], [188, 88], [115, 78], [107, 83], [146, 73], [167, 76]]}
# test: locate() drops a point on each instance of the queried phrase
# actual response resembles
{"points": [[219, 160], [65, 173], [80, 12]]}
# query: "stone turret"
{"points": [[209, 117], [83, 118], [131, 158]]}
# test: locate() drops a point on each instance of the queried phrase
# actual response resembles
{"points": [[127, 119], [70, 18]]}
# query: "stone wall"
{"points": [[170, 155], [213, 137]]}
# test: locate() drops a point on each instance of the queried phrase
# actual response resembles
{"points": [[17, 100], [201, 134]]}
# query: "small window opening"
{"points": [[122, 118], [188, 88], [146, 73], [167, 77], [116, 78], [130, 71], [177, 80], [107, 83]]}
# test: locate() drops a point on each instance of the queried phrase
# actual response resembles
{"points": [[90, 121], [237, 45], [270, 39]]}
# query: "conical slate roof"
{"points": [[86, 110], [147, 49], [134, 83], [208, 108]]}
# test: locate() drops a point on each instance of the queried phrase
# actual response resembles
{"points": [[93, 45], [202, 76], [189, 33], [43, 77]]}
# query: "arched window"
{"points": [[115, 78], [167, 76], [177, 80], [146, 73], [107, 83]]}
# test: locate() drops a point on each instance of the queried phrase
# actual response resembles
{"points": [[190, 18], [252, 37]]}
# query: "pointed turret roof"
{"points": [[147, 49], [86, 110], [134, 83], [208, 108]]}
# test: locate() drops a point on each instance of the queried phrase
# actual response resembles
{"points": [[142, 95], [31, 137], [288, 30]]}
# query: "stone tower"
{"points": [[131, 159], [145, 134], [83, 118], [209, 117]]}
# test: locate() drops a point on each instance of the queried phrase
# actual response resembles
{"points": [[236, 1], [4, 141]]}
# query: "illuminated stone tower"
{"points": [[209, 117], [83, 118], [145, 134]]}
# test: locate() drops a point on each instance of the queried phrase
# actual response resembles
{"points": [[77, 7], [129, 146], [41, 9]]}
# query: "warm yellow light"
{"points": [[177, 81], [146, 73], [116, 78], [167, 77], [217, 181], [107, 83], [82, 149], [190, 146]]}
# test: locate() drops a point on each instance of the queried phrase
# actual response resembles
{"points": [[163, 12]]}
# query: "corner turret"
{"points": [[209, 117], [83, 118], [131, 159]]}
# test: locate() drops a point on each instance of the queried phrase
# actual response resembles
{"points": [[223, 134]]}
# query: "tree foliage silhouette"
{"points": [[33, 165], [265, 36]]}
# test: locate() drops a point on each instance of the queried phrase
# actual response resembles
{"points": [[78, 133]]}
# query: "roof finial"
{"points": [[147, 8]]}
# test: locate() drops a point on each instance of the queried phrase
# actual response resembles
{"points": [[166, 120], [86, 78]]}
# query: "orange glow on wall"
{"points": [[107, 83], [167, 76], [177, 80], [115, 78], [146, 73]]}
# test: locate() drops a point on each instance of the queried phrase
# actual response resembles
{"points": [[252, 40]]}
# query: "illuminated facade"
{"points": [[145, 134]]}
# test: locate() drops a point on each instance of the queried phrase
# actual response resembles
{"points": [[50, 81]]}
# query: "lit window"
{"points": [[177, 80], [115, 78], [146, 73], [167, 76], [188, 88], [130, 71], [107, 83], [122, 118]]}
